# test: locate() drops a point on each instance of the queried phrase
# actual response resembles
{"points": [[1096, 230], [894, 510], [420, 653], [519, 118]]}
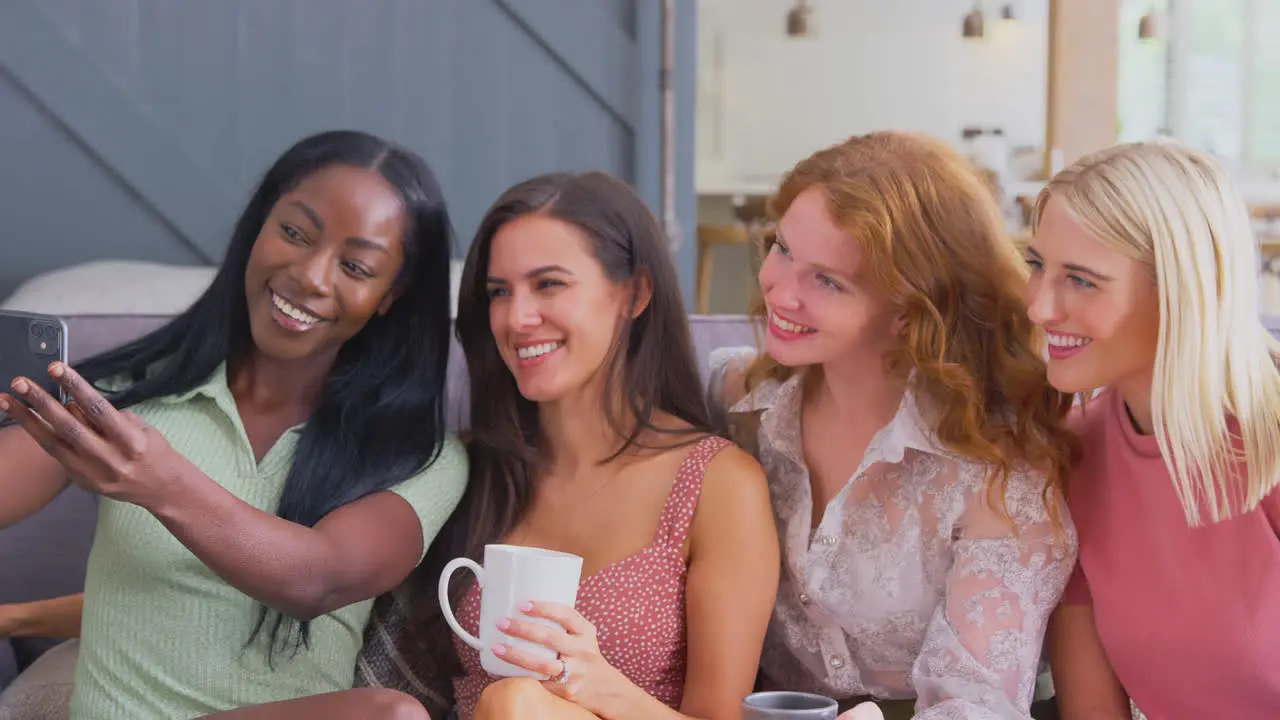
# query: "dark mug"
{"points": [[785, 705]]}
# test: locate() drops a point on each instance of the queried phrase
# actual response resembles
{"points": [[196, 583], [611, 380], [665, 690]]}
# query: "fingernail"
{"points": [[20, 385], [56, 369], [499, 650], [527, 607], [503, 624]]}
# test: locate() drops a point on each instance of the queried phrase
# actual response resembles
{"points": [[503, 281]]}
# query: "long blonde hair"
{"points": [[932, 236], [1178, 210]]}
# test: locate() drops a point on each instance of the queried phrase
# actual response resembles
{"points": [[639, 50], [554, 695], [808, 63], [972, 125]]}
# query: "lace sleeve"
{"points": [[982, 650]]}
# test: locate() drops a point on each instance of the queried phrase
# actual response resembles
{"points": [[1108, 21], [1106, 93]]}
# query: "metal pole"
{"points": [[667, 84]]}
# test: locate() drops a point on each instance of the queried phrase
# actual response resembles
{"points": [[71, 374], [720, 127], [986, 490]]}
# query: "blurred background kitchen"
{"points": [[1022, 87]]}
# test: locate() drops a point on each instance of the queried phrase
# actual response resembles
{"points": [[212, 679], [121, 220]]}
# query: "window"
{"points": [[1264, 101], [1143, 75], [1212, 80]]}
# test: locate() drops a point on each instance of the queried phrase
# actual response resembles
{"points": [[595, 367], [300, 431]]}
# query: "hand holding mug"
{"points": [[578, 673], [511, 576], [529, 628]]}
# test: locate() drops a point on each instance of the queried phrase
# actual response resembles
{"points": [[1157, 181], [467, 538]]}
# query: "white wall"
{"points": [[767, 100]]}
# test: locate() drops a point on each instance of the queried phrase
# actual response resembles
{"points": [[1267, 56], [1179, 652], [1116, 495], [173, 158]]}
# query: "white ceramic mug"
{"points": [[513, 575]]}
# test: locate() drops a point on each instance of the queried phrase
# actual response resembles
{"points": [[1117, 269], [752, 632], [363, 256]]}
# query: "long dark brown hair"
{"points": [[652, 369]]}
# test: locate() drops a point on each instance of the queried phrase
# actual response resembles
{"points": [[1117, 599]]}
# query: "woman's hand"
{"points": [[580, 675], [112, 453]]}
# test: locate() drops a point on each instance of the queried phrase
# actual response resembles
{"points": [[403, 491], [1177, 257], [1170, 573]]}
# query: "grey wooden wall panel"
{"points": [[246, 78], [489, 91], [603, 61], [108, 122], [624, 13], [60, 205]]}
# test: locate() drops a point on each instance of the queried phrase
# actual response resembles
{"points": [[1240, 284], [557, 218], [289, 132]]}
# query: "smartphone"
{"points": [[28, 344]]}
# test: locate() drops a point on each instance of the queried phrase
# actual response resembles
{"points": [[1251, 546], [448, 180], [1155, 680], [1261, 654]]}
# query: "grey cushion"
{"points": [[88, 336], [45, 555], [8, 665], [43, 692]]}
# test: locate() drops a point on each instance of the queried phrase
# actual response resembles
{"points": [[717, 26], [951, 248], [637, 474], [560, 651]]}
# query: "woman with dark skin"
{"points": [[270, 460]]}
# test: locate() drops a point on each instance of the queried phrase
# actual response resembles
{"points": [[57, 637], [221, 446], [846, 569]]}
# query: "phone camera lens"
{"points": [[37, 330]]}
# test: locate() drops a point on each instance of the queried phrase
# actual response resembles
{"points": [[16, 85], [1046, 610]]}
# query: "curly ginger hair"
{"points": [[931, 234]]}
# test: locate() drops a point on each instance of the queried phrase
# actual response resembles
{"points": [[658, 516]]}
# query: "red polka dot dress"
{"points": [[636, 604]]}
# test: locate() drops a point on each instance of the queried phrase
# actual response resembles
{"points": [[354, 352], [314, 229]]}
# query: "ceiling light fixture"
{"points": [[798, 19], [973, 23], [1149, 26]]}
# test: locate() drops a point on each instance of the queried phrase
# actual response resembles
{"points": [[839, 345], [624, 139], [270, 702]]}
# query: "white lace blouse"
{"points": [[894, 594]]}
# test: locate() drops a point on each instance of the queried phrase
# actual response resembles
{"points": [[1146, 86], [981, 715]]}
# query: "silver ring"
{"points": [[563, 677]]}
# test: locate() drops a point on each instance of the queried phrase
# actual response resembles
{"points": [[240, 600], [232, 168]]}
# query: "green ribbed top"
{"points": [[163, 636]]}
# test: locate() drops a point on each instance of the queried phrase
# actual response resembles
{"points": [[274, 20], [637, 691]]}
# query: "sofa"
{"points": [[45, 555]]}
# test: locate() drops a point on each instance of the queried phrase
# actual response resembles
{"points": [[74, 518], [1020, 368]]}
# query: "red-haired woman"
{"points": [[914, 449]]}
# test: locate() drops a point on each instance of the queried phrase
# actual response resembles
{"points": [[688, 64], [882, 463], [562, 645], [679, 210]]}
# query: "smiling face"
{"points": [[1099, 307], [324, 263], [821, 306], [554, 313]]}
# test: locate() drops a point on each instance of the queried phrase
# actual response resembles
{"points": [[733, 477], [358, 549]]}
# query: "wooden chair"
{"points": [[751, 215], [1266, 212], [1266, 223], [709, 238]]}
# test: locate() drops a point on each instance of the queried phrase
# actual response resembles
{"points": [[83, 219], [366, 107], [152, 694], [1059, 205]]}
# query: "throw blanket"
{"points": [[394, 656]]}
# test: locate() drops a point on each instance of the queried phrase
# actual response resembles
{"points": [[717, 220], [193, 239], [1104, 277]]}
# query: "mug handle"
{"points": [[443, 591]]}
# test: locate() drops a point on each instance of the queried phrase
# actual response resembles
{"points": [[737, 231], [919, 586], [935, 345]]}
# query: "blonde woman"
{"points": [[1144, 275], [913, 448]]}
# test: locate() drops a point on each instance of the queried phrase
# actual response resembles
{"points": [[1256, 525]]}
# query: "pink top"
{"points": [[1189, 617], [636, 604]]}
